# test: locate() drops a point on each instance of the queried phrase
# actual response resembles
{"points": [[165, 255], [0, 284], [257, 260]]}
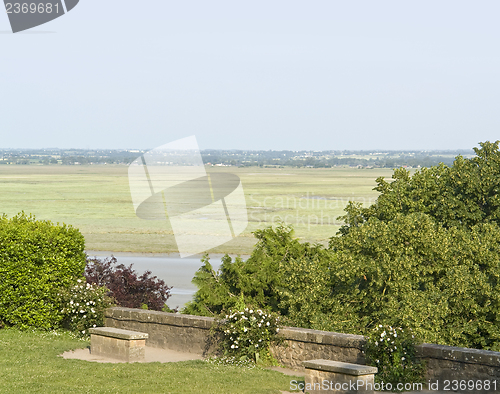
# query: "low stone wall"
{"points": [[456, 363], [191, 334], [184, 333], [302, 344]]}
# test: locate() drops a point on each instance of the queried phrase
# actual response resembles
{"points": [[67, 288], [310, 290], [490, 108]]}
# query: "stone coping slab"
{"points": [[323, 337], [118, 333], [340, 367], [158, 317]]}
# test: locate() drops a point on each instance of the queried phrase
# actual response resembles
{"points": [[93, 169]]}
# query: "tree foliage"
{"points": [[425, 256], [260, 280]]}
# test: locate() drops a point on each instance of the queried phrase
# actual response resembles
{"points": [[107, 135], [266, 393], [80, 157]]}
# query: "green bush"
{"points": [[37, 259]]}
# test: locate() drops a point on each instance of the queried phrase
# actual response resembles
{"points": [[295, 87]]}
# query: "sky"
{"points": [[270, 75]]}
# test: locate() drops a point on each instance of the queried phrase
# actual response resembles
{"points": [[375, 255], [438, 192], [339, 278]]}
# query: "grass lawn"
{"points": [[96, 199], [29, 363]]}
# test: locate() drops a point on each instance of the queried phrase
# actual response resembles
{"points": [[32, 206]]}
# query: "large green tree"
{"points": [[426, 256]]}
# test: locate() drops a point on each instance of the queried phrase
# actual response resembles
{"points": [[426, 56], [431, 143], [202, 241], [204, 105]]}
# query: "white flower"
{"points": [[71, 302], [395, 335], [232, 346], [268, 323], [251, 310], [376, 343], [403, 359], [79, 281]]}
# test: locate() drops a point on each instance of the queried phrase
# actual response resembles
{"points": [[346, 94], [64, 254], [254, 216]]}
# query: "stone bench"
{"points": [[334, 377], [119, 344]]}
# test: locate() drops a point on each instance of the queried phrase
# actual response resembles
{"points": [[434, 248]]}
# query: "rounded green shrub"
{"points": [[37, 259]]}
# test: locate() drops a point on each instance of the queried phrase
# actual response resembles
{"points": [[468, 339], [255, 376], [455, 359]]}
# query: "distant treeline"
{"points": [[242, 158]]}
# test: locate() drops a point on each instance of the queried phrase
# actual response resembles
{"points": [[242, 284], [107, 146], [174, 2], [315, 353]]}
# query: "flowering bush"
{"points": [[83, 306], [392, 351], [249, 334]]}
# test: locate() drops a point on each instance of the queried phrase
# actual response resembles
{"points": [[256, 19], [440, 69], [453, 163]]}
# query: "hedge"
{"points": [[37, 259]]}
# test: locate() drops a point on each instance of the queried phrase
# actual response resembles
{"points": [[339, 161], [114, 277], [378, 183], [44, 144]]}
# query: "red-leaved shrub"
{"points": [[126, 287]]}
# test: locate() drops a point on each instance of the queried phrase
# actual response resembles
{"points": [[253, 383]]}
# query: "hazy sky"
{"points": [[255, 75]]}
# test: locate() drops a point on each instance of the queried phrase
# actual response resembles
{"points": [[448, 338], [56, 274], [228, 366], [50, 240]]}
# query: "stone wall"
{"points": [[191, 334], [302, 344], [448, 363], [183, 333]]}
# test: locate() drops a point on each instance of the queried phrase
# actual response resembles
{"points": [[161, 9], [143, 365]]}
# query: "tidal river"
{"points": [[174, 271]]}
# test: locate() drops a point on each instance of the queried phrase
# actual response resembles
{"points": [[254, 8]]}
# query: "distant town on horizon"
{"points": [[243, 158]]}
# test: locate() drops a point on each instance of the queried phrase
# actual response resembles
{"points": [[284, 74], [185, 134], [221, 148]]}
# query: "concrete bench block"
{"points": [[116, 343], [334, 377]]}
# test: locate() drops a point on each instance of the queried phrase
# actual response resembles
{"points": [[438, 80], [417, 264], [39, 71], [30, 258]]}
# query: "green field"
{"points": [[96, 199]]}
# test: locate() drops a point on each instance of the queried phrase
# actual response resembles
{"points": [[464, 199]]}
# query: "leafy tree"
{"points": [[260, 280], [425, 256], [463, 195], [412, 272]]}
